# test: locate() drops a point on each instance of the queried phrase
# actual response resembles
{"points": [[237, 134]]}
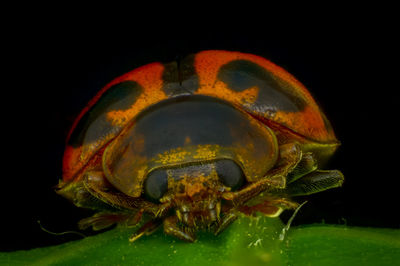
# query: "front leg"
{"points": [[228, 218], [268, 206], [147, 229], [289, 156], [171, 227], [126, 209], [99, 187]]}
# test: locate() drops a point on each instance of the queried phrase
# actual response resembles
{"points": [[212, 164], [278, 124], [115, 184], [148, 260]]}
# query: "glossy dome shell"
{"points": [[188, 130], [250, 82]]}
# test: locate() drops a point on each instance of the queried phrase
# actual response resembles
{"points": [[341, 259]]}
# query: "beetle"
{"points": [[190, 145]]}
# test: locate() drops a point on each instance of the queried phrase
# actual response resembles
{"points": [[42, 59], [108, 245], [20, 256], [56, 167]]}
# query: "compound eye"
{"points": [[155, 185], [230, 174]]}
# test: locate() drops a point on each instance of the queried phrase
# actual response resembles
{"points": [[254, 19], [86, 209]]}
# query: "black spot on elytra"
{"points": [[180, 77], [274, 93], [188, 76], [170, 77], [93, 124]]}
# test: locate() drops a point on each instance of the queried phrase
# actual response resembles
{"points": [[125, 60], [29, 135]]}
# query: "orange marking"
{"points": [[208, 63], [150, 78], [307, 122]]}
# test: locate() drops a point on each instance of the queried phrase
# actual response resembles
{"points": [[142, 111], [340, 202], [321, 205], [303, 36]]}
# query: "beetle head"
{"points": [[195, 191], [196, 194]]}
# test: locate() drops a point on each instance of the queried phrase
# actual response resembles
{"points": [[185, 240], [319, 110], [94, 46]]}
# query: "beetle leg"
{"points": [[314, 182], [171, 228], [134, 219], [307, 165], [80, 196], [290, 155], [147, 229], [226, 220], [270, 208], [100, 221], [241, 196], [97, 184], [283, 203]]}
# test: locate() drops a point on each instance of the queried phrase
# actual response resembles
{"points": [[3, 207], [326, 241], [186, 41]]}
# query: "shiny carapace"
{"points": [[190, 145]]}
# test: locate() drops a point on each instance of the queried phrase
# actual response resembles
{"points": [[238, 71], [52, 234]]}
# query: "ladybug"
{"points": [[190, 145]]}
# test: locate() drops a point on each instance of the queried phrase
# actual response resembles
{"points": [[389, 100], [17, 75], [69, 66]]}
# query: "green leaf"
{"points": [[342, 245], [248, 241]]}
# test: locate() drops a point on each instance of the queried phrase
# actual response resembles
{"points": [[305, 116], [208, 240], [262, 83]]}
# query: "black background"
{"points": [[350, 69]]}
